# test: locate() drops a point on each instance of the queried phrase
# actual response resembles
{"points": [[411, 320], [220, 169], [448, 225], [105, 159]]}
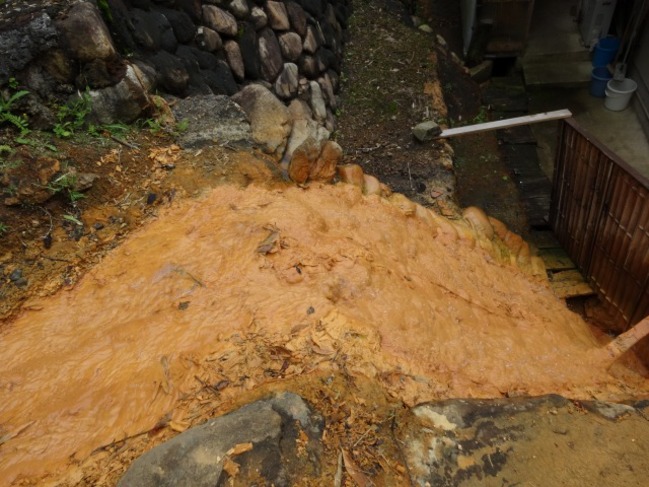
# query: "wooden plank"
{"points": [[569, 284], [556, 259], [508, 122]]}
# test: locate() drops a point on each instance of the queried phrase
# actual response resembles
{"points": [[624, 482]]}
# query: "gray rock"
{"points": [[235, 60], [270, 55], [20, 46], [297, 18], [317, 102], [239, 8], [85, 33], [277, 15], [272, 427], [426, 28], [258, 18], [311, 41], [212, 119], [291, 45], [208, 39], [270, 120], [125, 101], [426, 131], [221, 21], [287, 81]]}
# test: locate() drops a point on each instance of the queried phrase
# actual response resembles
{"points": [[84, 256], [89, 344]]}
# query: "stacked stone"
{"points": [[191, 47], [294, 48]]}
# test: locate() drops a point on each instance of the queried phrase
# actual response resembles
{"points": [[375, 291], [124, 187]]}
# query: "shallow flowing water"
{"points": [[109, 357]]}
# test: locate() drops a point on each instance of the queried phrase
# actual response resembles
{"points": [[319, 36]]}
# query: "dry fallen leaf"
{"points": [[177, 426], [231, 467], [270, 243], [240, 448], [354, 472]]}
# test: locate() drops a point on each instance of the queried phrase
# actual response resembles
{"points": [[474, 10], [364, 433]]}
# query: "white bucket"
{"points": [[619, 93]]}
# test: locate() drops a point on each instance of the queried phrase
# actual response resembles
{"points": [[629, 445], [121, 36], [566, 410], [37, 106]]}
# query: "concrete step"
{"points": [[557, 74], [558, 43]]}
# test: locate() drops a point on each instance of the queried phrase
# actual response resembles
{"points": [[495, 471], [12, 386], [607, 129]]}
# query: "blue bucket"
{"points": [[600, 76], [605, 51]]}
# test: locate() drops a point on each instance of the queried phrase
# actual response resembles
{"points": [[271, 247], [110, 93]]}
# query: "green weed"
{"points": [[7, 102], [72, 116], [66, 184], [3, 228]]}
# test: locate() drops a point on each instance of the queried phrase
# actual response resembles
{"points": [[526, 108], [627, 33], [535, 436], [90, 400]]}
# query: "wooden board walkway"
{"points": [[507, 98], [565, 279]]}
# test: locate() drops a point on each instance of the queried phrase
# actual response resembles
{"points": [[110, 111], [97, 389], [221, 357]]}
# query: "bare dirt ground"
{"points": [[360, 379]]}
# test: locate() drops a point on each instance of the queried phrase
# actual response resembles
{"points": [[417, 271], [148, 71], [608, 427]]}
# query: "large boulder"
{"points": [[126, 100], [212, 119], [269, 118], [84, 33], [275, 441], [21, 46]]}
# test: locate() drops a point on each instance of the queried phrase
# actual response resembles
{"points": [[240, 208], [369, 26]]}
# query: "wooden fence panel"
{"points": [[600, 215]]}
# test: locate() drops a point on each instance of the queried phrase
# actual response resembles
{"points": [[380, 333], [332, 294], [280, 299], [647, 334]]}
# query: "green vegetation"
{"points": [[72, 116], [66, 184], [71, 218], [7, 101], [104, 8], [3, 228]]}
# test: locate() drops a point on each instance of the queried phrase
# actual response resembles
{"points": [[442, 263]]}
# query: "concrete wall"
{"points": [[639, 71]]}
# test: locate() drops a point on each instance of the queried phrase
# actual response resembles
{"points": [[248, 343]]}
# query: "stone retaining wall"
{"points": [[121, 50]]}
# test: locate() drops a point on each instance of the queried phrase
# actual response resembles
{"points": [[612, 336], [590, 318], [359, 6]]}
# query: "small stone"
{"points": [[221, 21], [208, 39], [303, 159], [328, 160], [426, 131], [425, 28], [297, 17], [258, 18], [16, 275], [441, 41], [351, 174], [287, 81], [317, 101], [371, 185], [311, 42], [235, 60], [239, 8], [270, 54], [277, 15], [291, 45]]}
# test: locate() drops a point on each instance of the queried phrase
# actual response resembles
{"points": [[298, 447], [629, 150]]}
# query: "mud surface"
{"points": [[206, 291], [322, 271]]}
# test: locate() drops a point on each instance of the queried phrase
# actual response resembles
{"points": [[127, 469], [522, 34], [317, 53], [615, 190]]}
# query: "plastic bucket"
{"points": [[600, 76], [619, 93], [605, 51]]}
